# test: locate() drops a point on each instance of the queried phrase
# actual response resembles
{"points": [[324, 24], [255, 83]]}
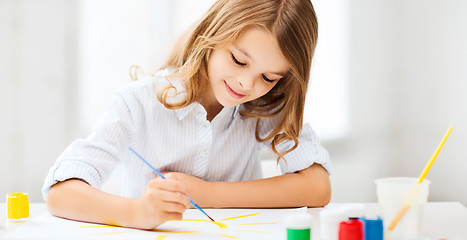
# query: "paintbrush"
{"points": [[162, 176], [414, 189]]}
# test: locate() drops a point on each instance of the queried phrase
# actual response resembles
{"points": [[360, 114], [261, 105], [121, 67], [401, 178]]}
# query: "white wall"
{"points": [[432, 93], [37, 73], [408, 84]]}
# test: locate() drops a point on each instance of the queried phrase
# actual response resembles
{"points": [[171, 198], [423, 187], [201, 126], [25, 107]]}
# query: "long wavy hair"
{"points": [[295, 27]]}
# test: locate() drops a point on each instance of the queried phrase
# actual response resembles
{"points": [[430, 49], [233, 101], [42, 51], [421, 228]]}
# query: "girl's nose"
{"points": [[247, 82]]}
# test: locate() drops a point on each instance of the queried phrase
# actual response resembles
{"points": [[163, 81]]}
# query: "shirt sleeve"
{"points": [[93, 159], [308, 151]]}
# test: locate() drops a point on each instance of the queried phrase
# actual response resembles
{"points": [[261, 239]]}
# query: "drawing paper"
{"points": [[230, 224]]}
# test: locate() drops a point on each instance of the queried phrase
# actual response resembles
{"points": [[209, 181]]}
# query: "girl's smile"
{"points": [[232, 92]]}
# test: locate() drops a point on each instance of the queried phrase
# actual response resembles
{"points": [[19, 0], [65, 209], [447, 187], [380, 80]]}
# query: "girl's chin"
{"points": [[230, 103]]}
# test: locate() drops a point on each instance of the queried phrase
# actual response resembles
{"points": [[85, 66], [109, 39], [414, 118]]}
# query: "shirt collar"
{"points": [[183, 112], [236, 111]]}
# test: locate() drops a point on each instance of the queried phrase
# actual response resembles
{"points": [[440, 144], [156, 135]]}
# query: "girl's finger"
{"points": [[176, 197], [173, 186], [172, 216], [171, 207]]}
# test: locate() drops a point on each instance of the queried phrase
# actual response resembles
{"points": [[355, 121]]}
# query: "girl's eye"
{"points": [[243, 64], [267, 79], [236, 61]]}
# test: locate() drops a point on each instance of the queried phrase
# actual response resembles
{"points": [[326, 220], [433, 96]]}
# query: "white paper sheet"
{"points": [[230, 224]]}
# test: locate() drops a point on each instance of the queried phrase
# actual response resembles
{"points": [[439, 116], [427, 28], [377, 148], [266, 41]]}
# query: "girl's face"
{"points": [[247, 69]]}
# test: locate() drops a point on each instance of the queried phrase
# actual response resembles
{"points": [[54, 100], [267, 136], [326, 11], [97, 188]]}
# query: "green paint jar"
{"points": [[298, 226]]}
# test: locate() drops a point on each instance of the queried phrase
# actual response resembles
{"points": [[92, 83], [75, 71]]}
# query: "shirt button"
{"points": [[202, 153]]}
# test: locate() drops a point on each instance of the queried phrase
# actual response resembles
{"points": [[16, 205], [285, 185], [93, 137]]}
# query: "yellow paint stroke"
{"points": [[257, 223], [219, 224], [160, 237], [228, 236], [252, 231], [249, 215], [110, 233]]}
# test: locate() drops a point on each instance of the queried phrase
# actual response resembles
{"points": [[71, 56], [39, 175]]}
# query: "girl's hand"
{"points": [[163, 200], [195, 187]]}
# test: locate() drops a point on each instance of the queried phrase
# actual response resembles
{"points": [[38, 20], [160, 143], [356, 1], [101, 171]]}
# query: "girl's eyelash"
{"points": [[236, 61], [267, 79], [243, 64]]}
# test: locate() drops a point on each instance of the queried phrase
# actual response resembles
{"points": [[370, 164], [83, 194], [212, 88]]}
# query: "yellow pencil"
{"points": [[413, 192]]}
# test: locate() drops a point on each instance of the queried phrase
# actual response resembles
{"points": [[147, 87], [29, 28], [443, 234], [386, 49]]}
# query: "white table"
{"points": [[443, 220]]}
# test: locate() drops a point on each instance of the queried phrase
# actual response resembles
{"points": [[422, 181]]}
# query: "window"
{"points": [[326, 106]]}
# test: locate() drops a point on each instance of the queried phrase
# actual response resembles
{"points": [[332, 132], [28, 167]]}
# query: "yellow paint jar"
{"points": [[17, 206]]}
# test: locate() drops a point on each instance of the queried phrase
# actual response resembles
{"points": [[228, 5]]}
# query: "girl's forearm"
{"points": [[309, 187], [77, 200]]}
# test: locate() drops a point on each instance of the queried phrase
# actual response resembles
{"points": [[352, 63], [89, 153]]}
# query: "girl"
{"points": [[237, 82]]}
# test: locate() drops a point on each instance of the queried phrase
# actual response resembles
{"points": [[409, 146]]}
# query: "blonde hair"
{"points": [[292, 22]]}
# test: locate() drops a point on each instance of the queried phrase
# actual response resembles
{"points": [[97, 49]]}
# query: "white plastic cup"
{"points": [[392, 194]]}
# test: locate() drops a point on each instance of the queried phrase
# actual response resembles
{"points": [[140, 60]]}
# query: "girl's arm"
{"points": [[309, 187], [164, 199]]}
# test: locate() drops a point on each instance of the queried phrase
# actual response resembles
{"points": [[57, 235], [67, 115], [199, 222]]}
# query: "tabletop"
{"points": [[442, 220]]}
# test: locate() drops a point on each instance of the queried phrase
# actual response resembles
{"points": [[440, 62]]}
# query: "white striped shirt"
{"points": [[181, 140]]}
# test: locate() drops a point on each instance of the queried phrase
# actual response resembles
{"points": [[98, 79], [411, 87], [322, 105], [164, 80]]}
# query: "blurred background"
{"points": [[388, 79]]}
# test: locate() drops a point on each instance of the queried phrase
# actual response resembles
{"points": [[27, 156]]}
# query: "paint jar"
{"points": [[392, 194], [351, 230], [374, 229], [17, 207], [298, 226]]}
